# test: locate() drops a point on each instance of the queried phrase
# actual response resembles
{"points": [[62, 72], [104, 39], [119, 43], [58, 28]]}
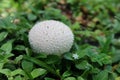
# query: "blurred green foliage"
{"points": [[96, 27]]}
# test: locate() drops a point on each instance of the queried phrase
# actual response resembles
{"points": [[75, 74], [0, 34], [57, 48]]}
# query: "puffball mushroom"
{"points": [[51, 37]]}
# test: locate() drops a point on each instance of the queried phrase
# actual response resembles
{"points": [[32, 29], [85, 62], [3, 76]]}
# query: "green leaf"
{"points": [[38, 72], [7, 47], [32, 17], [18, 78], [82, 53], [17, 59], [66, 74], [1, 65], [116, 55], [8, 55], [49, 78], [19, 47], [79, 78], [103, 75], [101, 40], [52, 59], [82, 65], [76, 26], [7, 24], [71, 1], [116, 27], [1, 57], [95, 70], [1, 52], [28, 51], [42, 64], [3, 35], [106, 46], [7, 72], [17, 72], [27, 66], [41, 55], [70, 78], [68, 56]]}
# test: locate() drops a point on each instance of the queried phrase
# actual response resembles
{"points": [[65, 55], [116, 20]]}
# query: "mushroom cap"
{"points": [[51, 37]]}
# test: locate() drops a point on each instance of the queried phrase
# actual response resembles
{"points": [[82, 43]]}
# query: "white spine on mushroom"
{"points": [[51, 37]]}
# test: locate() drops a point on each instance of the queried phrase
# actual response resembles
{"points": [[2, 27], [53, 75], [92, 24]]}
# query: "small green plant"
{"points": [[95, 54]]}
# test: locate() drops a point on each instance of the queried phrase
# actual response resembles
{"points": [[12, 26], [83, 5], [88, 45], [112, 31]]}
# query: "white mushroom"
{"points": [[51, 37]]}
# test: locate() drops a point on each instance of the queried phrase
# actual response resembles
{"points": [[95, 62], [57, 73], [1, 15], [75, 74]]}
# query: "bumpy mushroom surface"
{"points": [[51, 37]]}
